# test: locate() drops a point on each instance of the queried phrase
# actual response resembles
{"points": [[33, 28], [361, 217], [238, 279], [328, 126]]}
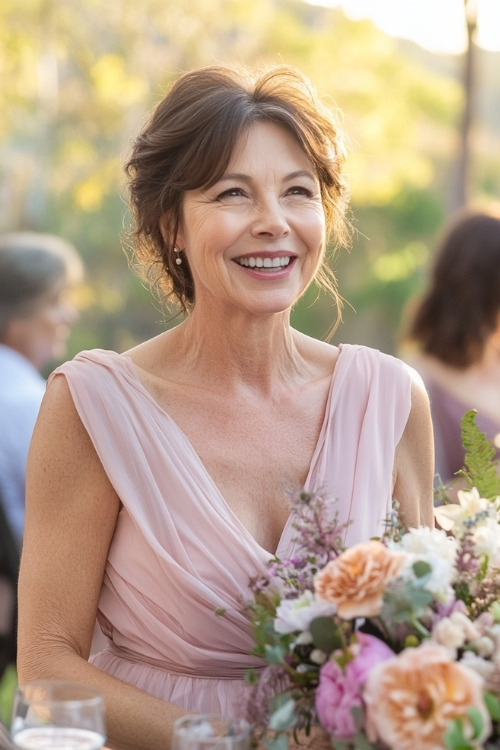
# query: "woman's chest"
{"points": [[255, 455]]}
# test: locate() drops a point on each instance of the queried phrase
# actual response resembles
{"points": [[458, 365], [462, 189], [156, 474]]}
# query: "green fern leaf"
{"points": [[480, 465]]}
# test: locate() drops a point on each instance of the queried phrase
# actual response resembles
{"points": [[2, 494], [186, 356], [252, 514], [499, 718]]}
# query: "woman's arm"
{"points": [[414, 462], [71, 513]]}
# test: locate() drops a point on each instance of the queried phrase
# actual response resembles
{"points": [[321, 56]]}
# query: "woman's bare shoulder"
{"points": [[62, 461], [60, 435], [317, 353]]}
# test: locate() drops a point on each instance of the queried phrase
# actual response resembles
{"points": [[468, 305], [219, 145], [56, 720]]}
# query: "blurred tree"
{"points": [[461, 190]]}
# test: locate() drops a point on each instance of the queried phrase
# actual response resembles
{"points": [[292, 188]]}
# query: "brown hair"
{"points": [[461, 307], [188, 142]]}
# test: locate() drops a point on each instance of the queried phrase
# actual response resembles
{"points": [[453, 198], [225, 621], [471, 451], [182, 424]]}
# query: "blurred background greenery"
{"points": [[78, 76]]}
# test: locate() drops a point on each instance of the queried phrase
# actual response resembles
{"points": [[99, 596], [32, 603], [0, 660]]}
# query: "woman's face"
{"points": [[255, 239], [41, 334]]}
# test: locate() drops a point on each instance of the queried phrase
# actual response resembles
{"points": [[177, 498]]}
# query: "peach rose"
{"points": [[411, 699], [356, 580]]}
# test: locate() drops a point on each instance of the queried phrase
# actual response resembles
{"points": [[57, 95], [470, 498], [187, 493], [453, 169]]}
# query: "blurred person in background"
{"points": [[454, 334], [36, 273]]}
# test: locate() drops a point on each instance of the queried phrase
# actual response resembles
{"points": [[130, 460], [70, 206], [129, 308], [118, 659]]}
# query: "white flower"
{"points": [[487, 540], [449, 634], [302, 668], [453, 515], [297, 614], [483, 667], [435, 542], [484, 647], [317, 656], [436, 548], [455, 631], [303, 639]]}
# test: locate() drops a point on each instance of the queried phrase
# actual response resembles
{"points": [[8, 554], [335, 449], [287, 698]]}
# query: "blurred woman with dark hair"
{"points": [[456, 330]]}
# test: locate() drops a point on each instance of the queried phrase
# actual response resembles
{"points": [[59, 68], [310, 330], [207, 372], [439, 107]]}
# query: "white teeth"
{"points": [[259, 262]]}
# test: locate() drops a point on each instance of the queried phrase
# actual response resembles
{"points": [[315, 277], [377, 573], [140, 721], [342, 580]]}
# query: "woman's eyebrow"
{"points": [[287, 178]]}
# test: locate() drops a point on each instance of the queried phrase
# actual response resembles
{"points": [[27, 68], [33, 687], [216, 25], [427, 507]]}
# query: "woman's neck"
{"points": [[238, 354], [256, 351]]}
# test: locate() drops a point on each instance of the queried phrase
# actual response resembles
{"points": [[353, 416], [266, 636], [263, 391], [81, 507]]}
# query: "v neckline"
{"points": [[128, 365]]}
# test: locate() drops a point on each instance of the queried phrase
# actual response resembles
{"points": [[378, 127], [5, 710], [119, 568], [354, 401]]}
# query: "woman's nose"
{"points": [[270, 219]]}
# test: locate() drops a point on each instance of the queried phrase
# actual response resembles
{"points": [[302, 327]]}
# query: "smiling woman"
{"points": [[159, 479], [262, 221]]}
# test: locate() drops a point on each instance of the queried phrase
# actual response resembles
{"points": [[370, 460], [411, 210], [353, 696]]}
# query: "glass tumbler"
{"points": [[208, 732], [57, 715]]}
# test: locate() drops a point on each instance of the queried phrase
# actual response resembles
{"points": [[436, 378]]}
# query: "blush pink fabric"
{"points": [[179, 554]]}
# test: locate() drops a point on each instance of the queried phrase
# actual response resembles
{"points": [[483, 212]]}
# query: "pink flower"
{"points": [[411, 699], [339, 690]]}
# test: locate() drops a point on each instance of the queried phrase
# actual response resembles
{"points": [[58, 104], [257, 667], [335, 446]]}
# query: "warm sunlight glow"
{"points": [[437, 25]]}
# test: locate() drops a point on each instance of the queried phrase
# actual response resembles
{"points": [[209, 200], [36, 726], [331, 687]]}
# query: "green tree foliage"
{"points": [[78, 76]]}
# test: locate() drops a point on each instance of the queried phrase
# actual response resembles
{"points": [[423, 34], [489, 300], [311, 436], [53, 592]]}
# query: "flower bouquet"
{"points": [[390, 644]]}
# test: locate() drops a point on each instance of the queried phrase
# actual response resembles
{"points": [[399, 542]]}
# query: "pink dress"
{"points": [[179, 554]]}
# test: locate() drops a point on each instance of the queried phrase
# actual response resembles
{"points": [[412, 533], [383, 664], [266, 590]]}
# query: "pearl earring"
{"points": [[178, 260]]}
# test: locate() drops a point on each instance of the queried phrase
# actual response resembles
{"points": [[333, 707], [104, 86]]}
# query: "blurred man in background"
{"points": [[36, 273]]}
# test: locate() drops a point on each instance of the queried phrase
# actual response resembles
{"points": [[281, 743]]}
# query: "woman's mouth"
{"points": [[277, 263]]}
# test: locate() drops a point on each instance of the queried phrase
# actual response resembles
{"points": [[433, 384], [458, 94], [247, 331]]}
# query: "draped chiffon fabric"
{"points": [[179, 565]]}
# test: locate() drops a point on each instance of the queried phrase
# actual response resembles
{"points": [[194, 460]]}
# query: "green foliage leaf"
{"points": [[493, 705], [476, 720], [421, 568], [280, 742], [359, 740], [274, 654], [480, 466], [325, 635], [495, 611], [283, 717], [406, 602], [358, 716], [251, 676], [454, 737], [263, 611]]}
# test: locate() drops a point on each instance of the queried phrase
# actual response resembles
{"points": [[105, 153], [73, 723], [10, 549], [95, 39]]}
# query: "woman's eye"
{"points": [[233, 192], [300, 190]]}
